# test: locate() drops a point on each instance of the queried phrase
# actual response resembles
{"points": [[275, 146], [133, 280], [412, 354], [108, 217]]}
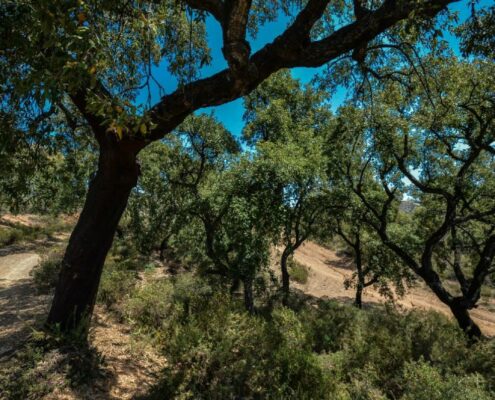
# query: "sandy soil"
{"points": [[24, 219], [328, 271], [32, 220], [20, 306]]}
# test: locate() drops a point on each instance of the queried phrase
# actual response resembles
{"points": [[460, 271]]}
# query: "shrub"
{"points": [[298, 272], [117, 282], [373, 348], [149, 306], [9, 236], [166, 302], [18, 232], [46, 273], [424, 382], [226, 353]]}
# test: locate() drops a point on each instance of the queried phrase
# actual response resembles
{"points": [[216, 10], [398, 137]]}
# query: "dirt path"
{"points": [[328, 272], [20, 305], [15, 267]]}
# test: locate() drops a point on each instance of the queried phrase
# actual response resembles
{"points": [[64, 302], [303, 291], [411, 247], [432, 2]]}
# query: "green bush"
{"points": [[166, 302], [424, 382], [117, 282], [225, 353], [21, 233], [215, 350], [298, 272], [9, 236], [149, 306], [46, 273], [374, 348]]}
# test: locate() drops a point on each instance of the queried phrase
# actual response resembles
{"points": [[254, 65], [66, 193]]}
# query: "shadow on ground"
{"points": [[21, 309]]}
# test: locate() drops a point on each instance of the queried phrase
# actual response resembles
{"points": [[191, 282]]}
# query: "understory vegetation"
{"points": [[309, 349], [18, 233]]}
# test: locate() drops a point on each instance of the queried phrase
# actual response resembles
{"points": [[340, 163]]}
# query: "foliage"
{"points": [[117, 281], [332, 351], [8, 236], [434, 145], [285, 123], [11, 233], [423, 382], [155, 212], [163, 303], [45, 274], [222, 352], [478, 34], [298, 272]]}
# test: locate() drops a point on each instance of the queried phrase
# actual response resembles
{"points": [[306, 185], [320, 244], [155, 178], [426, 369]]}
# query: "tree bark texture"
{"points": [[76, 291], [248, 295], [285, 277]]}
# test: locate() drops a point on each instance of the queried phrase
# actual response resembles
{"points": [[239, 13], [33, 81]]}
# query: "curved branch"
{"points": [[293, 48]]}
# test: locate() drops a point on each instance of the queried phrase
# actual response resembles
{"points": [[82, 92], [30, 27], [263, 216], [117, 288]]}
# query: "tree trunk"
{"points": [[285, 277], [248, 295], [234, 287], [358, 302], [75, 294], [163, 248], [461, 314]]}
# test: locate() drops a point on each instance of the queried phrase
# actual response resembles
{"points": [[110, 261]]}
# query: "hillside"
{"points": [[328, 271]]}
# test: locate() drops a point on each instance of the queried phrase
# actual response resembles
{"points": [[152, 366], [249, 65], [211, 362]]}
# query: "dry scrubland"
{"points": [[124, 357]]}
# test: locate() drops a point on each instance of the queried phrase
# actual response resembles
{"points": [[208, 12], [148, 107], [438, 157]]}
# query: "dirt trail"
{"points": [[328, 271], [20, 305], [15, 267]]}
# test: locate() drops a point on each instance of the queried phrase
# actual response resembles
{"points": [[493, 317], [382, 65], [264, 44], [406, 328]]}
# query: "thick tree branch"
{"points": [[213, 7], [236, 49], [481, 271], [293, 48]]}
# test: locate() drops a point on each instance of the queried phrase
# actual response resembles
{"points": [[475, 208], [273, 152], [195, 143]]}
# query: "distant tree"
{"points": [[156, 209], [285, 123], [434, 139], [229, 198], [375, 264]]}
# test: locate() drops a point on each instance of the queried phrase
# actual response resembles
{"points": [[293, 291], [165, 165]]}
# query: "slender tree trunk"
{"points": [[285, 277], [358, 302], [234, 287], [163, 248], [461, 314], [248, 295], [75, 294]]}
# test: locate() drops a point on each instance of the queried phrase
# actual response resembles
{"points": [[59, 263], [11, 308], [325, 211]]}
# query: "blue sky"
{"points": [[231, 113]]}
